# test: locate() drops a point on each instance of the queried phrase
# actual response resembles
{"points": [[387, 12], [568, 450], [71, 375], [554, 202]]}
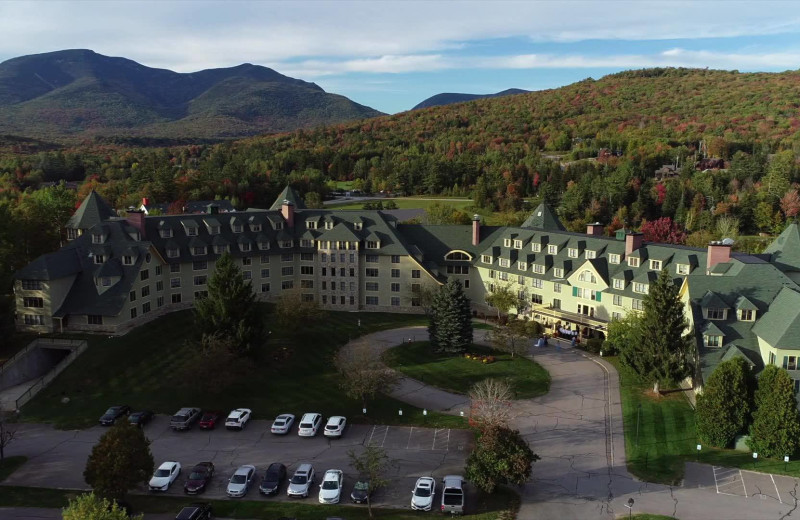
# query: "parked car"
{"points": [[165, 475], [330, 491], [240, 481], [199, 511], [273, 478], [238, 418], [184, 418], [199, 478], [335, 426], [209, 420], [453, 494], [301, 481], [140, 418], [114, 413], [309, 424], [422, 496], [282, 424], [361, 491]]}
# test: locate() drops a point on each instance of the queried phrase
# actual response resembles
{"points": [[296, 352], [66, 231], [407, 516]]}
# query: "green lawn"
{"points": [[142, 369], [666, 434], [458, 374], [646, 516], [9, 465], [488, 506]]}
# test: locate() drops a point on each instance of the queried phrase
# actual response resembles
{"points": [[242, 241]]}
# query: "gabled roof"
{"points": [[785, 250], [743, 304], [780, 325], [712, 300], [64, 262], [709, 329], [288, 194], [543, 218], [93, 210]]}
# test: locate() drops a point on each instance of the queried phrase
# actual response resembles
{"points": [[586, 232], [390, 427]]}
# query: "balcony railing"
{"points": [[572, 317]]}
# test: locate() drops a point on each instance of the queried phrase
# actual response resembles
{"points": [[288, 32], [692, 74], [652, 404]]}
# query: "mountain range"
{"points": [[449, 98], [79, 94]]}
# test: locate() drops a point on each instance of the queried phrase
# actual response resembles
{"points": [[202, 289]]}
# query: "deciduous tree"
{"points": [[503, 298], [294, 312], [7, 435], [450, 325], [120, 461], [92, 507], [775, 431], [724, 406], [363, 372], [490, 403], [372, 463], [501, 456], [514, 336], [663, 230]]}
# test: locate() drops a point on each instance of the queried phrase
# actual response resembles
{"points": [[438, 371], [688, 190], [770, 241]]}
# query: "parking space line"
{"points": [[436, 433], [385, 433], [410, 433], [716, 483], [776, 488], [745, 487]]}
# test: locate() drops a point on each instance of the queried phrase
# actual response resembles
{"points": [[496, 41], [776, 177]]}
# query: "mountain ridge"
{"points": [[450, 98]]}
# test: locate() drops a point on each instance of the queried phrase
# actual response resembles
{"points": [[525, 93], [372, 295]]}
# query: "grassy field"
{"points": [[647, 516], [458, 374], [489, 506], [144, 367], [405, 203]]}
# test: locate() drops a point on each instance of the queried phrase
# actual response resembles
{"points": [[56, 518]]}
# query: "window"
{"points": [[713, 341], [306, 257], [199, 250], [558, 272], [637, 305], [372, 272], [616, 316], [538, 268], [32, 285], [247, 261], [715, 314], [640, 288], [505, 262], [352, 272], [415, 287], [132, 296], [395, 301], [572, 252], [144, 275], [33, 303], [416, 302], [790, 362], [457, 269], [287, 271], [507, 242], [287, 257], [264, 259], [633, 261], [502, 275], [341, 257], [285, 244], [522, 266], [556, 287], [371, 259], [682, 269], [264, 287], [585, 310], [395, 287], [199, 265], [556, 303], [159, 285], [287, 284], [395, 273], [617, 299], [372, 300], [97, 239], [145, 291], [94, 319], [127, 260], [173, 252], [395, 259], [333, 286], [521, 280], [200, 279], [371, 244], [552, 249], [486, 259], [255, 228], [306, 242], [176, 298], [619, 283], [174, 283], [538, 284], [160, 301], [247, 275], [306, 284], [158, 269], [492, 274], [587, 276], [166, 233], [590, 254], [311, 224], [33, 319], [613, 258], [655, 265], [466, 284], [415, 273], [145, 307], [306, 269], [175, 268], [771, 358], [99, 259], [536, 248], [372, 286], [747, 315], [133, 313], [517, 244]]}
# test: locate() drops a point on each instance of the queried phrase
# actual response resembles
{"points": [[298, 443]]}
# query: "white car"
{"points": [[282, 424], [238, 418], [309, 424], [422, 496], [240, 481], [335, 426], [165, 475], [330, 491], [301, 481]]}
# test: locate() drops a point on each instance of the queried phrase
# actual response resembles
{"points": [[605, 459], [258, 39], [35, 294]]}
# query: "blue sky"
{"points": [[391, 55]]}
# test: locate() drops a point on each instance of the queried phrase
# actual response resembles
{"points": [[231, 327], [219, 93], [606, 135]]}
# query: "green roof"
{"points": [[780, 326], [785, 250], [743, 304], [709, 329], [543, 218], [288, 194], [711, 300], [93, 210]]}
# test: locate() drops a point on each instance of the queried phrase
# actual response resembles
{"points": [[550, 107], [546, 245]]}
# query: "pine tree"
{"points": [[450, 327], [723, 409], [775, 431], [229, 310]]}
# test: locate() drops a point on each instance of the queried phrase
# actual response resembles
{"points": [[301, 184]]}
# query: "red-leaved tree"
{"points": [[663, 230], [790, 203]]}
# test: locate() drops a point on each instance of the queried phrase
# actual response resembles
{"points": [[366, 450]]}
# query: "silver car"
{"points": [[301, 481], [240, 482]]}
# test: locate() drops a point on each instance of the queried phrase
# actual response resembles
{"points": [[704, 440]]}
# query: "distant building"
{"points": [[667, 171], [192, 206]]}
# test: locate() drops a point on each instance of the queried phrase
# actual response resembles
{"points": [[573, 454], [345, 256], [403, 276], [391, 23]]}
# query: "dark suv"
{"points": [[199, 511]]}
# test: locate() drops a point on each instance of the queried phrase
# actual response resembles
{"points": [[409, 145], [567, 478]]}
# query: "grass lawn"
{"points": [[9, 465], [488, 506], [458, 374], [405, 203], [666, 436], [646, 516], [143, 369]]}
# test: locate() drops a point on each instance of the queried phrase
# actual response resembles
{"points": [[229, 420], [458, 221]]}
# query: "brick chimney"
{"points": [[595, 229], [476, 230], [144, 201], [136, 219], [717, 253], [633, 241], [287, 210]]}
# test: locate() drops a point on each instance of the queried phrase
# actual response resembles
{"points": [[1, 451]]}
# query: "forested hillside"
{"points": [[590, 150]]}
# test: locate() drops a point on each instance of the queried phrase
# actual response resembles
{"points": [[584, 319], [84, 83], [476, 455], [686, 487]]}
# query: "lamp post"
{"points": [[629, 505], [755, 458]]}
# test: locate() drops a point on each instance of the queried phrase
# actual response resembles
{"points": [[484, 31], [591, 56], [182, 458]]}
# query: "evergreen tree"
{"points": [[229, 310], [775, 431], [723, 409], [661, 353], [450, 327], [121, 460]]}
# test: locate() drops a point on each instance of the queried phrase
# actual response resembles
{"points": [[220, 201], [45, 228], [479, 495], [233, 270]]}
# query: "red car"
{"points": [[209, 420]]}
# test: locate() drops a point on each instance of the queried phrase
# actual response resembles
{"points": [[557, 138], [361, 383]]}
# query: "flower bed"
{"points": [[482, 359]]}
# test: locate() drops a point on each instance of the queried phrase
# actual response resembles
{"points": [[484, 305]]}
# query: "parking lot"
{"points": [[741, 483], [57, 458]]}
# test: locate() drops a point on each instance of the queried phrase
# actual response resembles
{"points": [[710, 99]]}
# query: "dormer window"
{"points": [[590, 254], [98, 238], [285, 244], [655, 265], [507, 242], [245, 247], [173, 252], [199, 250], [536, 247], [552, 249], [358, 226], [572, 252], [505, 262], [633, 261], [191, 231], [237, 228], [486, 259], [522, 266], [127, 260], [558, 272], [682, 269], [587, 276], [640, 288], [278, 225], [328, 225], [712, 341], [311, 224], [165, 233], [220, 249], [538, 268], [613, 258], [619, 283], [517, 244], [255, 228], [306, 242], [715, 314], [213, 230], [747, 315], [99, 259], [372, 244]]}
